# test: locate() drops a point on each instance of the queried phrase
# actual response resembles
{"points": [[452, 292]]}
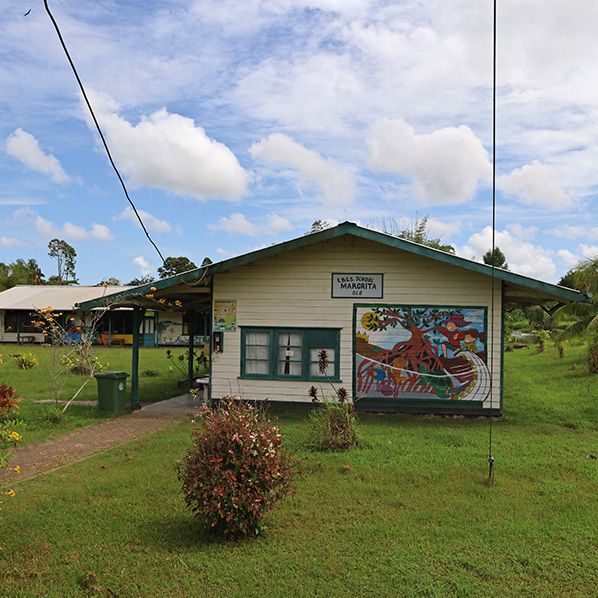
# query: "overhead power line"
{"points": [[95, 120]]}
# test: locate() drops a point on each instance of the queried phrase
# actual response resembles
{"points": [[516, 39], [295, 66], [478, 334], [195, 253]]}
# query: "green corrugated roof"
{"points": [[537, 287]]}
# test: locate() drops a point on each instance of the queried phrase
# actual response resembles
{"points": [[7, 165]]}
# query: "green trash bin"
{"points": [[112, 391]]}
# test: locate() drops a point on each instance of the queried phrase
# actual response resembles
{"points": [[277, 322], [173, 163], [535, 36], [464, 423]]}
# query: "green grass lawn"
{"points": [[407, 514], [35, 383], [157, 381]]}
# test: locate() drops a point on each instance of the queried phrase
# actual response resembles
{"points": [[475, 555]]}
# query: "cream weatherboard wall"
{"points": [[293, 289]]}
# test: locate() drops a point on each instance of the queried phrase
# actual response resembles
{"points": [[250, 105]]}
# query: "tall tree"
{"points": [[496, 259], [175, 265], [66, 256]]}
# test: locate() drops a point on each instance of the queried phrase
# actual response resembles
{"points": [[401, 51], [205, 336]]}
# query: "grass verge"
{"points": [[407, 513]]}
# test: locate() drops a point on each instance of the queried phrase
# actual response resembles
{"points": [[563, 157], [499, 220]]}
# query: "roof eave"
{"points": [[146, 292], [550, 291]]}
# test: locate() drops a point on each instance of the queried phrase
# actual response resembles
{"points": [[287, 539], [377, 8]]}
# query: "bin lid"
{"points": [[111, 375]]}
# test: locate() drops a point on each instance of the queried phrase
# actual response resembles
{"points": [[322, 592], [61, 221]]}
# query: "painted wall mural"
{"points": [[171, 333], [412, 352], [225, 315]]}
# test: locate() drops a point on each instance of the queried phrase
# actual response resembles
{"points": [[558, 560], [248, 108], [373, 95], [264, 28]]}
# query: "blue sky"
{"points": [[237, 123]]}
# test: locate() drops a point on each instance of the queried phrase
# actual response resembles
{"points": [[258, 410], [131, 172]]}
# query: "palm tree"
{"points": [[585, 279]]}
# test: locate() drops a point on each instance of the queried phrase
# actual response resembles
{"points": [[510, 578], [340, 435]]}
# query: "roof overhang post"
{"points": [[191, 324], [138, 313]]}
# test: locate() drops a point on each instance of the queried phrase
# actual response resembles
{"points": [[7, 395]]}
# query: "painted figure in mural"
{"points": [[471, 335], [454, 336]]}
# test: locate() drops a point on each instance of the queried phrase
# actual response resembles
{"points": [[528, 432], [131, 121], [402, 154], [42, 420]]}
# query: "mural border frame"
{"points": [[439, 406]]}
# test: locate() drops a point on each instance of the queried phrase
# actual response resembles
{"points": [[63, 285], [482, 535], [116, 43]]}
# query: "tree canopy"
{"points": [[20, 272], [137, 282], [568, 280], [175, 265], [109, 281], [66, 258], [584, 277], [496, 258], [317, 226]]}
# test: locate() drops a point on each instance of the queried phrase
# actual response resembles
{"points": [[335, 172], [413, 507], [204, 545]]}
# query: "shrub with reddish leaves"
{"points": [[236, 469], [8, 400]]}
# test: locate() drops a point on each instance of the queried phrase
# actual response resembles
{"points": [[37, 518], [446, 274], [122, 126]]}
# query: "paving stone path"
{"points": [[97, 438]]}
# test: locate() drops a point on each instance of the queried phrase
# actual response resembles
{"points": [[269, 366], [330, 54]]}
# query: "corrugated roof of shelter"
{"points": [[62, 298], [518, 289]]}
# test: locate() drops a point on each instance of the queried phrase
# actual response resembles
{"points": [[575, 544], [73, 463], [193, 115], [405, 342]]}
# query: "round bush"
{"points": [[236, 469]]}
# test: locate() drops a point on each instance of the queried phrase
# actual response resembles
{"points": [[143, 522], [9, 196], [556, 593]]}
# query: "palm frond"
{"points": [[578, 328]]}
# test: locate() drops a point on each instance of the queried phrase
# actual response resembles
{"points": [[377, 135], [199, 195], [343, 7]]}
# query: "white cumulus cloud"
{"points": [[335, 182], [588, 251], [568, 258], [150, 221], [576, 232], [144, 266], [446, 166], [101, 232], [11, 242], [45, 227], [522, 256], [535, 184], [48, 229], [237, 223], [25, 147], [170, 152], [72, 231]]}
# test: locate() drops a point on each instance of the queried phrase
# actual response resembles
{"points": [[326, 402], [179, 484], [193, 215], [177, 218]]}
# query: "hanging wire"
{"points": [[95, 120], [490, 454]]}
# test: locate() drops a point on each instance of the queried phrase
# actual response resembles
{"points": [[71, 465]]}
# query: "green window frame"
{"points": [[288, 353]]}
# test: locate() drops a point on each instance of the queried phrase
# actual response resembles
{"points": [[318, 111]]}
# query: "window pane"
{"points": [[257, 367], [289, 368], [262, 353], [290, 339], [257, 338], [314, 362], [289, 353]]}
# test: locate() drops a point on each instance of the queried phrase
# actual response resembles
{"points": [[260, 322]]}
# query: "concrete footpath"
{"points": [[97, 438]]}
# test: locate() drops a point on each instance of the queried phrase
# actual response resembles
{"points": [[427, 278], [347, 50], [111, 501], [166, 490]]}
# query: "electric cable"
{"points": [[112, 163], [95, 120]]}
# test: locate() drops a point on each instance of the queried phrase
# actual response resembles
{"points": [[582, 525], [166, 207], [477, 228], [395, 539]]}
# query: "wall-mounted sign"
{"points": [[357, 286]]}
